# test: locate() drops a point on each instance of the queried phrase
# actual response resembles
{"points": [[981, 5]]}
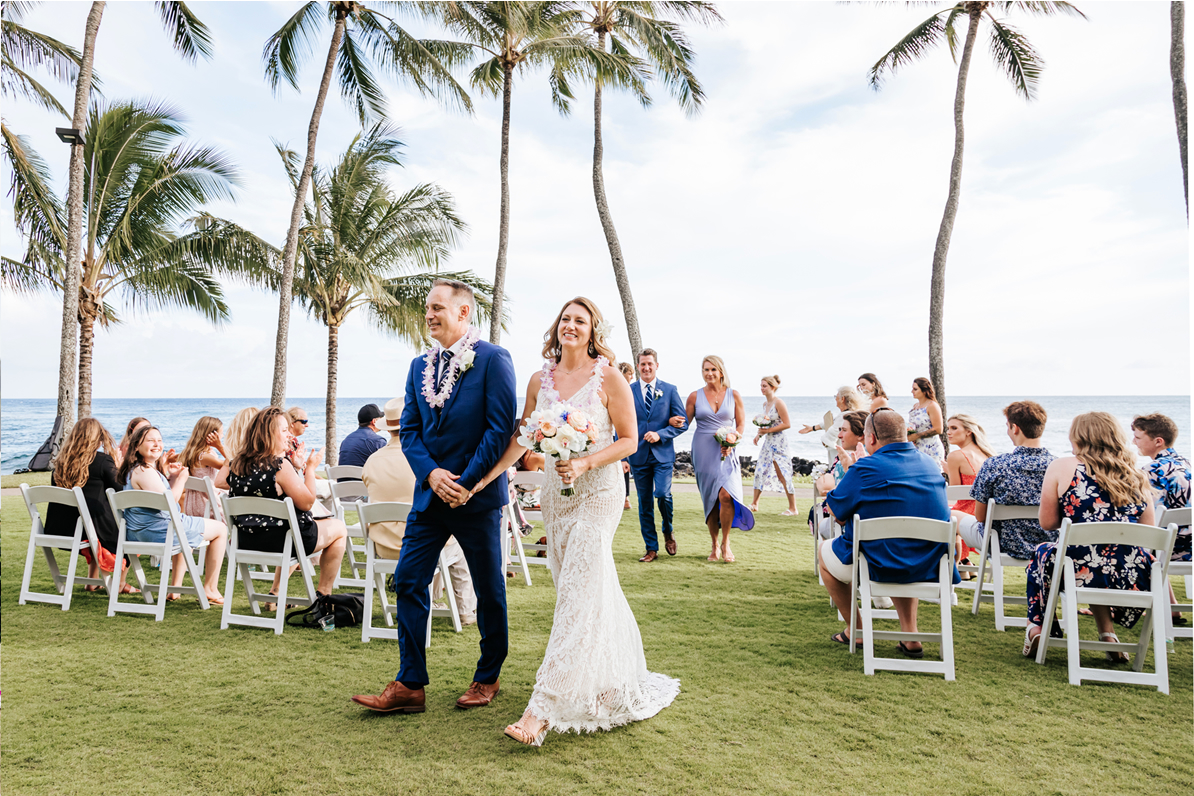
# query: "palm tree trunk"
{"points": [[74, 231], [607, 224], [329, 438], [937, 291], [1177, 71], [499, 274], [289, 253], [86, 321]]}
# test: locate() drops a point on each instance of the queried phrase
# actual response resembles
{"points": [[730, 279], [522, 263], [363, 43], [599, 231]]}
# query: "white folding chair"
{"points": [[864, 589], [350, 492], [175, 542], [376, 570], [1179, 569], [515, 550], [208, 488], [239, 561], [1155, 602], [348, 471], [992, 556], [952, 495], [529, 478], [84, 535]]}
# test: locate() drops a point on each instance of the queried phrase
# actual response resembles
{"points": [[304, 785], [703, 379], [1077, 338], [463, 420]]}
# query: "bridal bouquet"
{"points": [[561, 431], [727, 437], [763, 421]]}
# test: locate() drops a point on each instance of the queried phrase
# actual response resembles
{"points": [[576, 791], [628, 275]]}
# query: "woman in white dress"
{"points": [[594, 675]]}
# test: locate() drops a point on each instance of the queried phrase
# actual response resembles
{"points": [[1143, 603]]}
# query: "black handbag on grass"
{"points": [[330, 611]]}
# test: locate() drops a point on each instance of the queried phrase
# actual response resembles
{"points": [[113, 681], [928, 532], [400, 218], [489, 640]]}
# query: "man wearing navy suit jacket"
{"points": [[655, 403], [460, 407]]}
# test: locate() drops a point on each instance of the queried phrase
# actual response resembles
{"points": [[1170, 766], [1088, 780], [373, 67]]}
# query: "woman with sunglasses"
{"points": [[296, 416]]}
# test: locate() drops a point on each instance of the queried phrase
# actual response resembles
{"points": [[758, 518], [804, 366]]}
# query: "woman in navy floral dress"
{"points": [[1100, 483]]}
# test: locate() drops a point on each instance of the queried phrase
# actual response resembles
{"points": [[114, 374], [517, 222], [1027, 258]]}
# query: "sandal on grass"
{"points": [[1114, 657], [1030, 642], [910, 653], [842, 638]]}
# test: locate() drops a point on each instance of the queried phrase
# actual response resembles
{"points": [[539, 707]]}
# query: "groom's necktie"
{"points": [[648, 396], [445, 362]]}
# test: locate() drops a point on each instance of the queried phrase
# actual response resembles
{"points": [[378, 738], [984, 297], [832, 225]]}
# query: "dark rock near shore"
{"points": [[684, 468]]}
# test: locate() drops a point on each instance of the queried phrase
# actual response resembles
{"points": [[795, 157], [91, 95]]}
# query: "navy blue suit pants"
{"points": [[653, 481]]}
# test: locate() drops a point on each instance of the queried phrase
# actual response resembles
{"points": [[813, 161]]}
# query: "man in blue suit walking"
{"points": [[655, 403], [460, 407]]}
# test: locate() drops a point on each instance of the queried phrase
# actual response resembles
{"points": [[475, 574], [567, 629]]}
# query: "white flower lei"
{"points": [[548, 381], [437, 399]]}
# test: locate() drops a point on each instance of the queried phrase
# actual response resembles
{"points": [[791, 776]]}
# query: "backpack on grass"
{"points": [[330, 611]]}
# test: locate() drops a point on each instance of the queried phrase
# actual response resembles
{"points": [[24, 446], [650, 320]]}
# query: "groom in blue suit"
{"points": [[460, 407], [655, 403]]}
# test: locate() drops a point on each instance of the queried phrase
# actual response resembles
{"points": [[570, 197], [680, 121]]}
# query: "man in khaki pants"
{"points": [[388, 477]]}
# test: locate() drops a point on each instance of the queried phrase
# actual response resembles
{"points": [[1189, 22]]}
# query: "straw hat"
{"points": [[393, 413]]}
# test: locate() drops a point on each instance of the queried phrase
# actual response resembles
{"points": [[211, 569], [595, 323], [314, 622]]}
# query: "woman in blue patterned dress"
{"points": [[1099, 483], [925, 422], [773, 470]]}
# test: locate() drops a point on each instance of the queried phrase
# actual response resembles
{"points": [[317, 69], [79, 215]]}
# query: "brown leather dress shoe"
{"points": [[478, 695], [397, 698], [669, 544], [650, 556]]}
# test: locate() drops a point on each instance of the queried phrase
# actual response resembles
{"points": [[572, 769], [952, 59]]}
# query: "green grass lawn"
{"points": [[769, 704]]}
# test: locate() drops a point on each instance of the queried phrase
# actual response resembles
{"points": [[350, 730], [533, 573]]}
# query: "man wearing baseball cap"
{"points": [[357, 446]]}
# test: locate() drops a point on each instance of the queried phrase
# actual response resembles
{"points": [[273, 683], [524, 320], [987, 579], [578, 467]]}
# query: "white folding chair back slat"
{"points": [[1155, 602], [376, 570], [864, 590], [993, 560], [239, 561], [1183, 570], [84, 536], [335, 473], [350, 492], [957, 492], [175, 542]]}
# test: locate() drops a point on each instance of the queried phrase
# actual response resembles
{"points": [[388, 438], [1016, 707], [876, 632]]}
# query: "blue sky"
{"points": [[789, 227]]}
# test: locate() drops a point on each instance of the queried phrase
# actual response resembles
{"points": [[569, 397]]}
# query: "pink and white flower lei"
{"points": [[437, 399], [548, 381]]}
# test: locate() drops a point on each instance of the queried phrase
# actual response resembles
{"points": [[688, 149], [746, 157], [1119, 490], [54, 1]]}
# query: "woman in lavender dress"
{"points": [[719, 479]]}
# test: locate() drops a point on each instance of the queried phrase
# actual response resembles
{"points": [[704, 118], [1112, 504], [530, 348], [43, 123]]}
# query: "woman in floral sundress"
{"points": [[1099, 483], [773, 470]]}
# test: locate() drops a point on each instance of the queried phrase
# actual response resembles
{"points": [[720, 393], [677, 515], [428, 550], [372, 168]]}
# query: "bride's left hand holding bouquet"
{"points": [[560, 431]]}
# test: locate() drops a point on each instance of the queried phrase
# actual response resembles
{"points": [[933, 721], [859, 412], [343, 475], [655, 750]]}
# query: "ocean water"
{"points": [[25, 424]]}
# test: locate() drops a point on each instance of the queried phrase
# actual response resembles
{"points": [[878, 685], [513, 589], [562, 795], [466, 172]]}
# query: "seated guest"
{"points": [[203, 456], [358, 446], [850, 441], [971, 449], [1013, 479], [895, 480], [847, 400], [236, 431], [297, 418], [140, 470], [389, 478], [1099, 483], [123, 448], [1169, 475], [82, 463], [261, 469]]}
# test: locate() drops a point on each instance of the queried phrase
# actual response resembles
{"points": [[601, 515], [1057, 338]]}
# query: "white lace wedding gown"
{"points": [[594, 674]]}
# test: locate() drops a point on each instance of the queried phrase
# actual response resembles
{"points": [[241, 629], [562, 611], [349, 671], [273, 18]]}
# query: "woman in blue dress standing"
{"points": [[719, 476]]}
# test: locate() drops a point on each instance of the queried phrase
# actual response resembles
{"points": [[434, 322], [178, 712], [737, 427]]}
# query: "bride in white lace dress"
{"points": [[594, 674]]}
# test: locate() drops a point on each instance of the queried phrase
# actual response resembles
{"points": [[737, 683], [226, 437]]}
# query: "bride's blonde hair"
{"points": [[598, 345]]}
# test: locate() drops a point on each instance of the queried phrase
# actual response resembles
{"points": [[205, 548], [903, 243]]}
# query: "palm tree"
{"points": [[1177, 71], [1017, 59], [650, 32], [362, 38], [142, 183], [518, 35], [363, 246], [191, 39]]}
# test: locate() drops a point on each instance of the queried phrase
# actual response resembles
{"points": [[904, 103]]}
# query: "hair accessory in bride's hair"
{"points": [[603, 330]]}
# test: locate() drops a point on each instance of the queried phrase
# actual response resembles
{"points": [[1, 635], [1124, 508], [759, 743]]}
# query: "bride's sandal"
{"points": [[1114, 657], [523, 736]]}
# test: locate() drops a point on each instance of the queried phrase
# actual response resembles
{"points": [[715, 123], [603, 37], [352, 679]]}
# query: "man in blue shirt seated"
{"points": [[895, 480], [358, 446]]}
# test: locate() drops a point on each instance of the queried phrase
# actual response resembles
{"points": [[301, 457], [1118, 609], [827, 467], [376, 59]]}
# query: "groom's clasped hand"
{"points": [[443, 484]]}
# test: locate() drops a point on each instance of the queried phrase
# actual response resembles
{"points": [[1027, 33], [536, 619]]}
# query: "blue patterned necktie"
{"points": [[648, 396], [445, 362]]}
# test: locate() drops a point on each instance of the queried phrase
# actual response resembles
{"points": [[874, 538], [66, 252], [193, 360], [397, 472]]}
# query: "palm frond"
{"points": [[154, 285], [424, 64], [38, 214], [191, 38], [1016, 58], [26, 278], [912, 47], [290, 45], [357, 84], [1041, 9]]}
